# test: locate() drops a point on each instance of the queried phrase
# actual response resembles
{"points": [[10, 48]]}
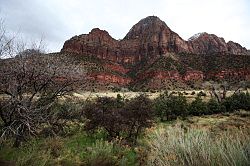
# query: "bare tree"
{"points": [[5, 40], [30, 83], [220, 91]]}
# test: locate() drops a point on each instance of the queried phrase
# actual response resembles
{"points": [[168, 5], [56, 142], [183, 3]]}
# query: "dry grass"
{"points": [[194, 147], [129, 95], [208, 140]]}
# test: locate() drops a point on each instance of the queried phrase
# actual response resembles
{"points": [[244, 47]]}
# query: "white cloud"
{"points": [[58, 20]]}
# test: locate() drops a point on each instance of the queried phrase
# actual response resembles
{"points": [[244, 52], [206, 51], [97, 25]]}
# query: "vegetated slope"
{"points": [[98, 73], [185, 70]]}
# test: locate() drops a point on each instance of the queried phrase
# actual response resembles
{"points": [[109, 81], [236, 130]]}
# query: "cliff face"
{"points": [[147, 39], [145, 43]]}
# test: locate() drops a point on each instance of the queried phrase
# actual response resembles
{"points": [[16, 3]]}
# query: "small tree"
{"points": [[31, 85], [219, 92], [119, 119], [137, 114], [104, 113], [169, 107]]}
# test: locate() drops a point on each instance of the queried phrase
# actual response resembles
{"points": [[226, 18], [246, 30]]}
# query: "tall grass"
{"points": [[101, 153], [196, 147], [75, 150]]}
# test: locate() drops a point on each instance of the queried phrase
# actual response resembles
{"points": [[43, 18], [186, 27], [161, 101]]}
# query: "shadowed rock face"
{"points": [[147, 41]]}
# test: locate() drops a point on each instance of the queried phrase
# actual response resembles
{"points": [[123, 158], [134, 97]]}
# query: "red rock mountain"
{"points": [[149, 41], [150, 37]]}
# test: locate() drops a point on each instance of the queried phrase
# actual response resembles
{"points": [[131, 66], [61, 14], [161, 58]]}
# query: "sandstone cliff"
{"points": [[148, 43], [149, 38]]}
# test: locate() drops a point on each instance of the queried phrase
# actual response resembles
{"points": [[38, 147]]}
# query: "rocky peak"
{"points": [[196, 36], [236, 48], [205, 43], [145, 27], [99, 32]]}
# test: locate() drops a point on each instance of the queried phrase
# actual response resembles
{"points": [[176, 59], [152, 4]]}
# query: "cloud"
{"points": [[58, 20]]}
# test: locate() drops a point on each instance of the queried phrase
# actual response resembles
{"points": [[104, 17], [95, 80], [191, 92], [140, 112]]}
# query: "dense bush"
{"points": [[104, 113], [198, 107], [119, 119], [214, 107], [237, 101], [169, 107], [201, 93], [102, 153]]}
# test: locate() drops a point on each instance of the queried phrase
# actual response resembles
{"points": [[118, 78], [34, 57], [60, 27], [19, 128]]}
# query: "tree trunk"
{"points": [[17, 142]]}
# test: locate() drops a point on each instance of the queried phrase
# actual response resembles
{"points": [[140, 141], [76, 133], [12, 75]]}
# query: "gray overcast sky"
{"points": [[59, 20]]}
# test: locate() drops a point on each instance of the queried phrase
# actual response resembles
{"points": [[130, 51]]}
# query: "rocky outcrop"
{"points": [[204, 43], [117, 68], [229, 74], [236, 49], [193, 75], [108, 78], [190, 75]]}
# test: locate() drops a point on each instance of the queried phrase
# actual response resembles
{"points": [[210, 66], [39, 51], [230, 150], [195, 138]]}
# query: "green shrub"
{"points": [[214, 107], [198, 107], [104, 153], [27, 154], [201, 93], [53, 145], [169, 107], [237, 101]]}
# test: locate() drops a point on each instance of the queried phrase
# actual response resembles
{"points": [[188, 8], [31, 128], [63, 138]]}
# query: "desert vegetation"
{"points": [[43, 123], [138, 131]]}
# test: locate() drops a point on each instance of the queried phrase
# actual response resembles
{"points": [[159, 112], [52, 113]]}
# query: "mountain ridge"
{"points": [[149, 43], [152, 36]]}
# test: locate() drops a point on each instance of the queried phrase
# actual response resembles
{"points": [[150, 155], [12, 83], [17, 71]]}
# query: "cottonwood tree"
{"points": [[31, 82]]}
